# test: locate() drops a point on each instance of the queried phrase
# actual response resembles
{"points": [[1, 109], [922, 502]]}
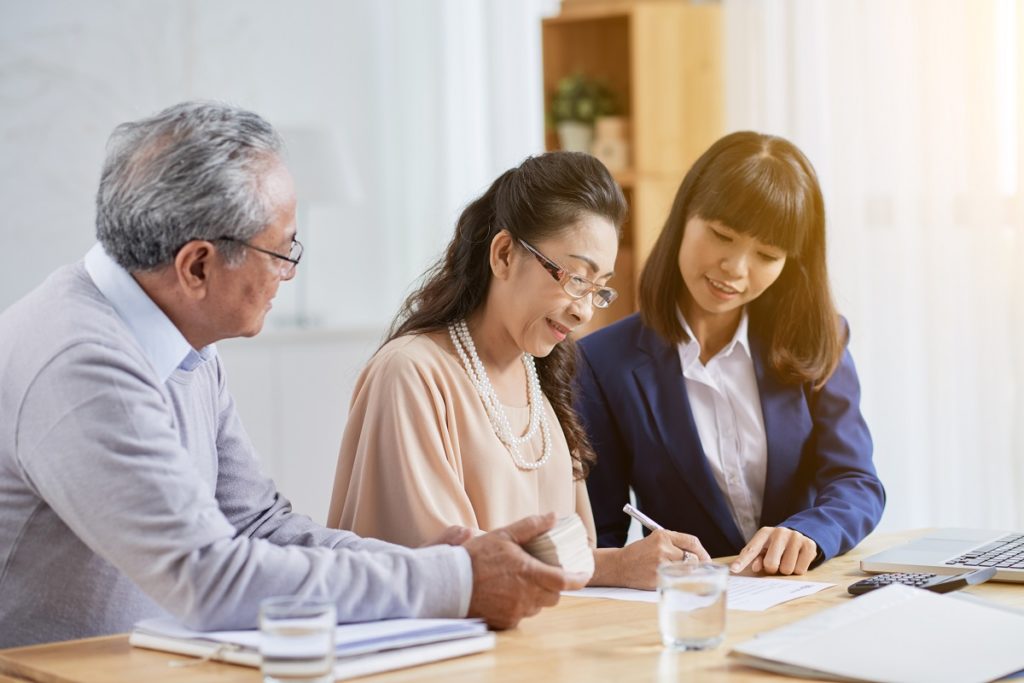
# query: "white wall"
{"points": [[292, 390], [418, 105], [419, 110]]}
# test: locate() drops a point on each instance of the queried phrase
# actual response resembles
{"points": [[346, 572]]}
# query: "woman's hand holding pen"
{"points": [[776, 550], [636, 565]]}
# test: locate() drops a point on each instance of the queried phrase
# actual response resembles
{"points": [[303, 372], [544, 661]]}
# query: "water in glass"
{"points": [[297, 641], [691, 605]]}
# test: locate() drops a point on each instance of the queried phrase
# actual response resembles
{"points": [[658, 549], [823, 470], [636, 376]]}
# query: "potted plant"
{"points": [[575, 104]]}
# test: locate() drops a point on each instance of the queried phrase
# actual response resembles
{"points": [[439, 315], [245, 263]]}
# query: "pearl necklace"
{"points": [[463, 342]]}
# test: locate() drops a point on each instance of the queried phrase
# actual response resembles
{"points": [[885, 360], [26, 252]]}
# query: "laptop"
{"points": [[953, 551]]}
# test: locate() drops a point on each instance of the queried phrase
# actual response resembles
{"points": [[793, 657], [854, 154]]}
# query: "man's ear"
{"points": [[192, 268], [501, 254]]}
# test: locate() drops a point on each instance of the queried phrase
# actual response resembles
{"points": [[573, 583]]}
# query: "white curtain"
{"points": [[911, 110], [461, 80]]}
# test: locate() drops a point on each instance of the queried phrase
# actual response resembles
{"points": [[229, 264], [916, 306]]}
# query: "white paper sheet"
{"points": [[746, 593], [755, 594], [895, 634]]}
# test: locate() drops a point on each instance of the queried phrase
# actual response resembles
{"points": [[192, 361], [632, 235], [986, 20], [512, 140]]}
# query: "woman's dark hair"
{"points": [[765, 187], [537, 200]]}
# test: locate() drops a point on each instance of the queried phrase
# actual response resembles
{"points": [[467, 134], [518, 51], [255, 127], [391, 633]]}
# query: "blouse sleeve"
{"points": [[399, 476]]}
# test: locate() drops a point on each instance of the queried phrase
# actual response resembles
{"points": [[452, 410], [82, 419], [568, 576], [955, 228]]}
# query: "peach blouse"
{"points": [[419, 453]]}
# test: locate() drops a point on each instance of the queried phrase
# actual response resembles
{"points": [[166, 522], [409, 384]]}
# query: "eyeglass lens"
{"points": [[578, 288]]}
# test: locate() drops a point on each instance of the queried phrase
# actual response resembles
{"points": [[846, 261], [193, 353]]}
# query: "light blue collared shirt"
{"points": [[163, 343]]}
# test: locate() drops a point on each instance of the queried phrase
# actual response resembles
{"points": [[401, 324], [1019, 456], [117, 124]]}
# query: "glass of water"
{"points": [[297, 640], [691, 604]]}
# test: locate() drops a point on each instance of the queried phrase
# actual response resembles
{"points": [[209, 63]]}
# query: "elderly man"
{"points": [[128, 486]]}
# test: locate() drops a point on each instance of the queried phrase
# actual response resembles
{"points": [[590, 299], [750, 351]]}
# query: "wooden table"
{"points": [[582, 639]]}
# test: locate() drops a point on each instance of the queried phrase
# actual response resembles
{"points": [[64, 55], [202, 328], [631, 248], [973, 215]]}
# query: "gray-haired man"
{"points": [[128, 486]]}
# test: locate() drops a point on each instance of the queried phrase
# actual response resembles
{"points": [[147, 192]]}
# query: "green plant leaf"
{"points": [[579, 98]]}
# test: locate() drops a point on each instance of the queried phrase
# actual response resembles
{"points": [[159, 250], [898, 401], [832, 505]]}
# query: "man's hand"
{"points": [[453, 535], [509, 584], [636, 565], [776, 550]]}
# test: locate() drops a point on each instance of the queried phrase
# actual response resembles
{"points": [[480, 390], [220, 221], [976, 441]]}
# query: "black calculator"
{"points": [[938, 583]]}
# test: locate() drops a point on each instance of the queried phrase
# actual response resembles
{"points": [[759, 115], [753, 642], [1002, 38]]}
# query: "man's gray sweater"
{"points": [[123, 496]]}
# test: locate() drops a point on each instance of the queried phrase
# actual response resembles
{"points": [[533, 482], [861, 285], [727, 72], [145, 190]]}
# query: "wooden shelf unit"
{"points": [[663, 60]]}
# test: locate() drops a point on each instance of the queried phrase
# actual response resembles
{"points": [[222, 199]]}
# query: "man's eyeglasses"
{"points": [[288, 263], [575, 286]]}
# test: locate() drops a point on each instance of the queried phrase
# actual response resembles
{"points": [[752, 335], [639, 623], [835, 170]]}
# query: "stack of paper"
{"points": [[565, 546], [360, 649], [895, 634]]}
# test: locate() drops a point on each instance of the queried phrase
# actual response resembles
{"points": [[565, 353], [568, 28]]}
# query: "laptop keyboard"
{"points": [[1005, 553]]}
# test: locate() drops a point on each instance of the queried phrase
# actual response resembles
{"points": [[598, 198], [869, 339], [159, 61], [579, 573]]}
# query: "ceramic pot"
{"points": [[574, 136]]}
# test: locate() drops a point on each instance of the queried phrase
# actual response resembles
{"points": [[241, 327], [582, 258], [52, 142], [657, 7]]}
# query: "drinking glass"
{"points": [[691, 604], [297, 640]]}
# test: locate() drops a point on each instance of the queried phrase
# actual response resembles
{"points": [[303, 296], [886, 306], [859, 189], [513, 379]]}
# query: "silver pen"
{"points": [[647, 522]]}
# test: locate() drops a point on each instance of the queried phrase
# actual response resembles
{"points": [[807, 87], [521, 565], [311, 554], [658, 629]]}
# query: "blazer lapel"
{"points": [[786, 424], [663, 387]]}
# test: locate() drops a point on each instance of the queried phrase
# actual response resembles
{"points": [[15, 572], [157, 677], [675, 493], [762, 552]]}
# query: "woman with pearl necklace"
{"points": [[464, 417]]}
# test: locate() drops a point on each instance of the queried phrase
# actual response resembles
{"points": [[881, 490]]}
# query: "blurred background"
{"points": [[397, 113]]}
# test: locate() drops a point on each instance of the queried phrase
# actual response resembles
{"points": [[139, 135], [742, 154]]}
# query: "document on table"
{"points": [[754, 594], [894, 634], [746, 593]]}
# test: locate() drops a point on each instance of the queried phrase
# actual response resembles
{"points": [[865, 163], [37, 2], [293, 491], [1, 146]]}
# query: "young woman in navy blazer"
{"points": [[730, 403]]}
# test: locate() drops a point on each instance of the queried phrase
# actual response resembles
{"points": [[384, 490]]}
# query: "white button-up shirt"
{"points": [[726, 407]]}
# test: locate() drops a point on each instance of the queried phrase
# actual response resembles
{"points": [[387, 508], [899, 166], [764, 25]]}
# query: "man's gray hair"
{"points": [[190, 172]]}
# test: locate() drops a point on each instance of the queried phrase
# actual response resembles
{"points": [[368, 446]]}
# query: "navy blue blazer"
{"points": [[631, 395]]}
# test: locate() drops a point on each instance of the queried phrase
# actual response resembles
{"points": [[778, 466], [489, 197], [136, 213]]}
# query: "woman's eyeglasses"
{"points": [[575, 286]]}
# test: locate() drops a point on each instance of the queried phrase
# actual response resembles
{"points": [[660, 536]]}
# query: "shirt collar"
{"points": [[689, 349], [163, 344]]}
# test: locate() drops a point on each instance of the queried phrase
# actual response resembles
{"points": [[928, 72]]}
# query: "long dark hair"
{"points": [[765, 187], [537, 200]]}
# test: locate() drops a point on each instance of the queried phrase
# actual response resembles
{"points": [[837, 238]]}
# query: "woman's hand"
{"points": [[776, 550], [636, 565]]}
